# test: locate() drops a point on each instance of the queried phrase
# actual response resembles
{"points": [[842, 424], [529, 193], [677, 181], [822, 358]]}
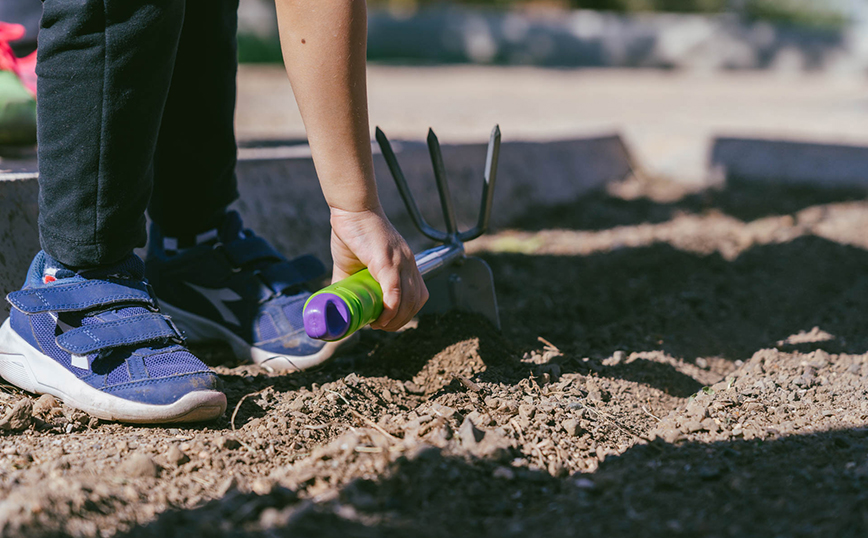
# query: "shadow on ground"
{"points": [[745, 200], [741, 488], [688, 305]]}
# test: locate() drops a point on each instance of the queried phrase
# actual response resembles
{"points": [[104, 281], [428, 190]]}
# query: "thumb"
{"points": [[338, 274]]}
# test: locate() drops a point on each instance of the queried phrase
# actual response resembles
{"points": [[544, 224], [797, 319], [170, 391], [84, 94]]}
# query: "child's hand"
{"points": [[367, 239]]}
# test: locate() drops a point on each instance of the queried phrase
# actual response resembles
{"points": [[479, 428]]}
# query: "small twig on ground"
{"points": [[611, 420], [238, 405], [368, 449], [650, 414], [469, 384], [365, 419], [315, 427], [202, 481], [548, 345]]}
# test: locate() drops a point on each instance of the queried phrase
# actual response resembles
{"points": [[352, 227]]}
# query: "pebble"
{"points": [[227, 443], [710, 425], [693, 426], [571, 426], [226, 486], [670, 435], [176, 456], [526, 411], [44, 404], [141, 466], [262, 486], [469, 434], [413, 388], [594, 392], [702, 363], [19, 417]]}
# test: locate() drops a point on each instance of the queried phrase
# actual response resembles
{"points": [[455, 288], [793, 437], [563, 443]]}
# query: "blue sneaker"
{"points": [[96, 340], [230, 285]]}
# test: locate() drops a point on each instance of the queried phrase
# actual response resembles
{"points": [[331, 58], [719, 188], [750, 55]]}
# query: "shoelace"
{"points": [[24, 68]]}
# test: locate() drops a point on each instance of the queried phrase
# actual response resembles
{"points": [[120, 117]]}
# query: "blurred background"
{"points": [[671, 77]]}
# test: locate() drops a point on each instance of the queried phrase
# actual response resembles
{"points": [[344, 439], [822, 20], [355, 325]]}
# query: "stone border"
{"points": [[786, 161]]}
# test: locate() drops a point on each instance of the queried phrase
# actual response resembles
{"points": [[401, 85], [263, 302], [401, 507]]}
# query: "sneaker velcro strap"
{"points": [[142, 329], [250, 249], [80, 296], [280, 276]]}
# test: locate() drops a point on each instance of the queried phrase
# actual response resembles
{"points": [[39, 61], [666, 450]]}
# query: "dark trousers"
{"points": [[135, 111]]}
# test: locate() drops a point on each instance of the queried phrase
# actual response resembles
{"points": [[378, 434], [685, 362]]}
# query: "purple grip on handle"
{"points": [[326, 317]]}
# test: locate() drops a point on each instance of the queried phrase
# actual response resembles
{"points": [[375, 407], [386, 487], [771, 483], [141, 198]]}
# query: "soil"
{"points": [[670, 364]]}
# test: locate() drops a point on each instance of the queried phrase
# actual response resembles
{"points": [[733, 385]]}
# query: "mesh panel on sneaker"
{"points": [[267, 330], [44, 327], [294, 313], [118, 375], [173, 363]]}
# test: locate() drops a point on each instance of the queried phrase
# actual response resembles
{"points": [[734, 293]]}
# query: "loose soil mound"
{"points": [[678, 365]]}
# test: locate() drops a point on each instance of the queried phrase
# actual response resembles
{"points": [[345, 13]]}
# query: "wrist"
{"points": [[359, 211]]}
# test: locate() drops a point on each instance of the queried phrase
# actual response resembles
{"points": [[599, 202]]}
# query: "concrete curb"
{"points": [[281, 199], [827, 165]]}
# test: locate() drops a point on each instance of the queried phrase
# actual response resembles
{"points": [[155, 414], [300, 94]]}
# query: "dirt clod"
{"points": [[175, 456], [140, 466], [44, 405], [18, 417]]}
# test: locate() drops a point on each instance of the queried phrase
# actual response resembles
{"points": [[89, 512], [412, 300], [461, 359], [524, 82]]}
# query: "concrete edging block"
{"points": [[830, 165]]}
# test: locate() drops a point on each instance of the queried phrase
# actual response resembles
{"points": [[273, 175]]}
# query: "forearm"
{"points": [[324, 44]]}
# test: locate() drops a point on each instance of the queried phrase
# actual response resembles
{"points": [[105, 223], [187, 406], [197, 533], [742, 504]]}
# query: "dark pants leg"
{"points": [[194, 168], [106, 69]]}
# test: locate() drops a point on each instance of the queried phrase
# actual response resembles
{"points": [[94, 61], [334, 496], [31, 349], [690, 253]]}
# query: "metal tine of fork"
{"points": [[401, 182], [442, 184], [487, 188]]}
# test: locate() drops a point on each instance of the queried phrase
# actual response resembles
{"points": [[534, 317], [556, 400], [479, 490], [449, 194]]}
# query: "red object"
{"points": [[25, 67], [48, 278]]}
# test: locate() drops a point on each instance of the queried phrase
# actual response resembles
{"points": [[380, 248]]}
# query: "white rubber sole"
{"points": [[26, 367], [198, 329]]}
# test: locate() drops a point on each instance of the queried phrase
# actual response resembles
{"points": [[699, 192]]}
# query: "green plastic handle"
{"points": [[341, 309]]}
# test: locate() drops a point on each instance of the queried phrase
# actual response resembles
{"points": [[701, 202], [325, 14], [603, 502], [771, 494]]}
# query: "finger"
{"points": [[414, 295], [408, 306], [423, 296], [391, 286], [338, 274]]}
